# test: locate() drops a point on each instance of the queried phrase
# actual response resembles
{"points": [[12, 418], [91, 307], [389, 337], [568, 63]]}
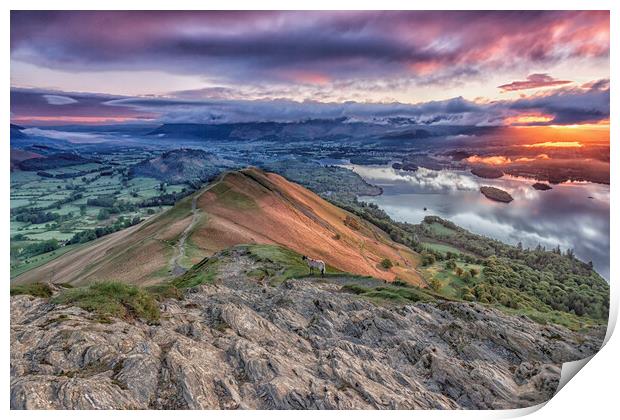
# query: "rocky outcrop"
{"points": [[304, 344]]}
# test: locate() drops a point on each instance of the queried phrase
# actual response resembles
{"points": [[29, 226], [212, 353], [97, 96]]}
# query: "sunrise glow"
{"points": [[568, 144]]}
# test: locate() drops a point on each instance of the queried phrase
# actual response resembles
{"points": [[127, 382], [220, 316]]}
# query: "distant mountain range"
{"points": [[304, 130], [384, 129], [324, 129]]}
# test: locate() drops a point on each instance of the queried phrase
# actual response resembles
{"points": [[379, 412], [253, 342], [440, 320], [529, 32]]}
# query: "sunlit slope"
{"points": [[251, 206], [139, 254], [248, 206]]}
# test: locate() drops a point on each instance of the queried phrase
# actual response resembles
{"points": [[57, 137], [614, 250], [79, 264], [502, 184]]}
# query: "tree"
{"points": [[40, 248], [386, 263], [103, 214], [428, 258]]}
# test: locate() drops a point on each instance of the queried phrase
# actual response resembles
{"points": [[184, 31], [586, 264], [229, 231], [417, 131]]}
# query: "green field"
{"points": [[441, 248], [67, 197], [440, 230]]}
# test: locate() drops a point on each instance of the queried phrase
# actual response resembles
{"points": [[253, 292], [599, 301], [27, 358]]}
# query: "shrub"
{"points": [[469, 297], [355, 288], [428, 258], [434, 284], [386, 263]]}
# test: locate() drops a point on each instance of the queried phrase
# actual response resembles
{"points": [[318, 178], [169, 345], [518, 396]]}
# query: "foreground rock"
{"points": [[302, 345]]}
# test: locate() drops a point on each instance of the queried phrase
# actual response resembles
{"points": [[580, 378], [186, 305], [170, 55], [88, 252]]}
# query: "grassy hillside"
{"points": [[252, 206], [242, 207], [546, 285]]}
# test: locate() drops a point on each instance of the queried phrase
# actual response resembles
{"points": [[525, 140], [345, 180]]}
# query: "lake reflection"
{"points": [[564, 215]]}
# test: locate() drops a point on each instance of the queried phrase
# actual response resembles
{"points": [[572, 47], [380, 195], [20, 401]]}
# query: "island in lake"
{"points": [[487, 172], [541, 186], [405, 166], [496, 194]]}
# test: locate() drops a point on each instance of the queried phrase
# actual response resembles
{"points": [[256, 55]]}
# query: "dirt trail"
{"points": [[176, 268]]}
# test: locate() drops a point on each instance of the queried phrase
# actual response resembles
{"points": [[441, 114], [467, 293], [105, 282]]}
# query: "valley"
{"points": [[248, 206], [163, 229], [315, 203]]}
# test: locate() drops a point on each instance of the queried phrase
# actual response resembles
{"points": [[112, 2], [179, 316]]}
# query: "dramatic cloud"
{"points": [[537, 80], [561, 106], [307, 48], [568, 105], [222, 66]]}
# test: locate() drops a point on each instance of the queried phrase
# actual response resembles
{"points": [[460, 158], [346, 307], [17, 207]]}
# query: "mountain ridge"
{"points": [[246, 206]]}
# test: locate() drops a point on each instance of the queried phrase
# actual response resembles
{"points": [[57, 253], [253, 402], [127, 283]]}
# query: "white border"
{"points": [[591, 395]]}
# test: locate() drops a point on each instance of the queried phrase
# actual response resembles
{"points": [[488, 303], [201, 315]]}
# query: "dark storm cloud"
{"points": [[305, 47], [456, 109]]}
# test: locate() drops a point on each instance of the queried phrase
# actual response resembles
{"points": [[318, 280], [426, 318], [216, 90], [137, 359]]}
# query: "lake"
{"points": [[572, 215]]}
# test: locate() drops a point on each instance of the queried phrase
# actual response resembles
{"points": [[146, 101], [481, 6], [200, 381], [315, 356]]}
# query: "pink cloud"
{"points": [[532, 81]]}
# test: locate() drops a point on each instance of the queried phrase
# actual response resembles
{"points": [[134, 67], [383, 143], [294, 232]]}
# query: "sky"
{"points": [[478, 68]]}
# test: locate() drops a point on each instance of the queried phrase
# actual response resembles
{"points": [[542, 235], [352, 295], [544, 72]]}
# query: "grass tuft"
{"points": [[400, 294], [41, 290], [205, 271], [112, 299], [165, 291]]}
